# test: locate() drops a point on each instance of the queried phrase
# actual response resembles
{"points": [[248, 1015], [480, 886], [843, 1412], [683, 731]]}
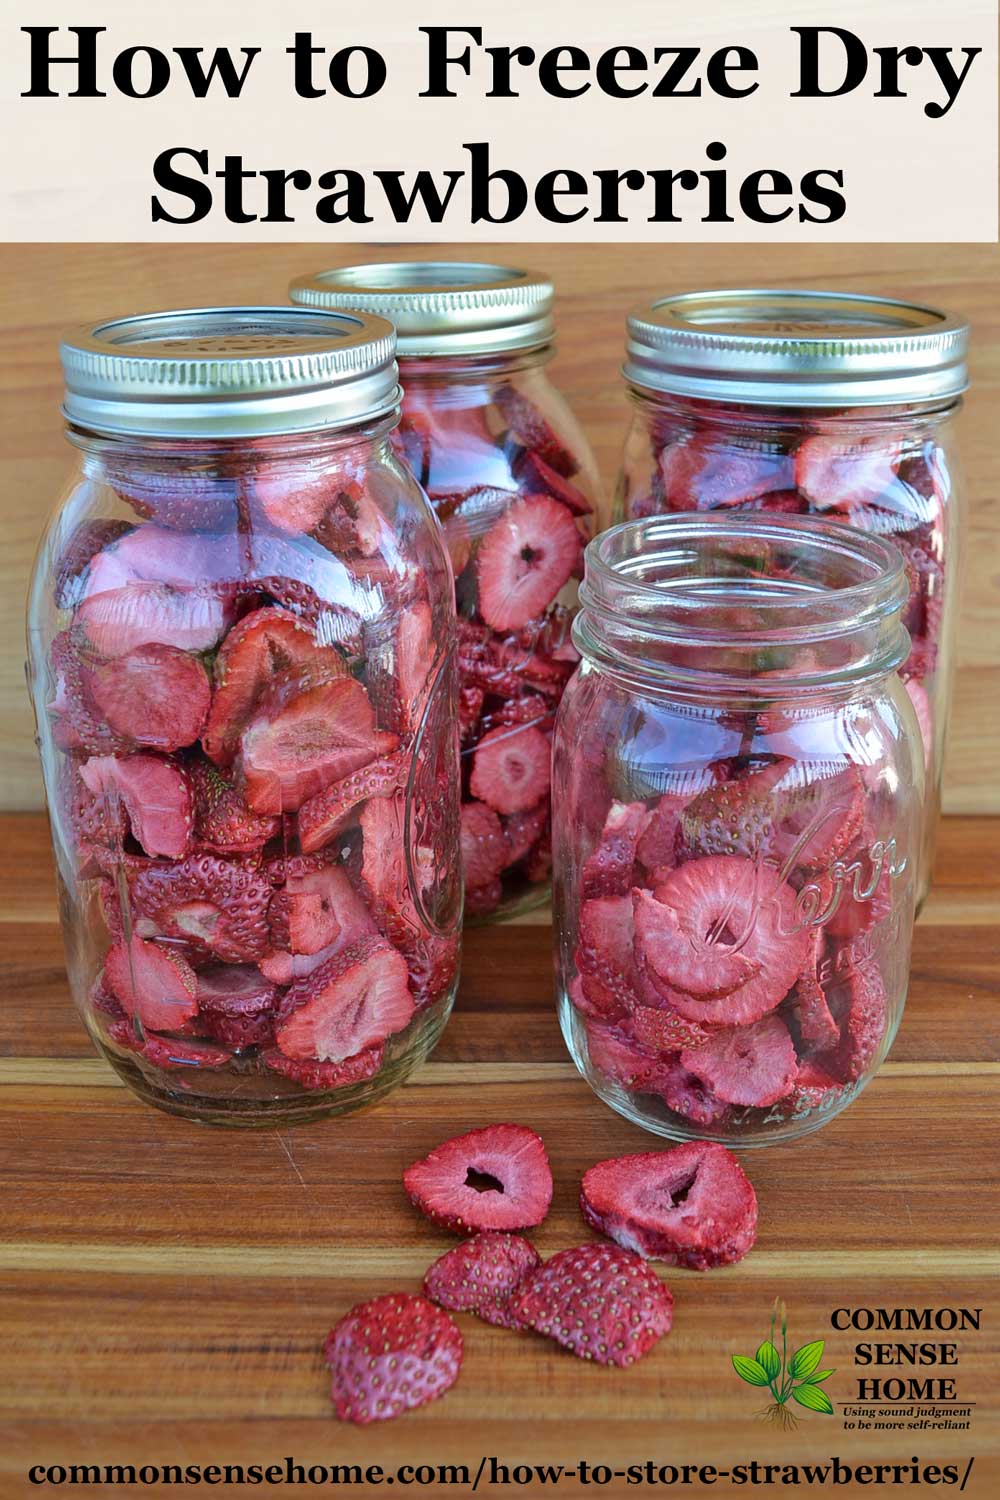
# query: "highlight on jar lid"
{"points": [[229, 372], [441, 306], [796, 348]]}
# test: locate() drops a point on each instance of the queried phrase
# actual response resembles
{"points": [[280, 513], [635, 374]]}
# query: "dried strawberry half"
{"points": [[312, 1075], [322, 817], [600, 1302], [532, 430], [81, 547], [524, 561], [155, 793], [223, 823], [154, 696], [609, 869], [151, 983], [390, 1355], [511, 769], [219, 906], [482, 1275], [842, 470], [353, 1001], [691, 1206], [495, 1178], [750, 1065], [236, 1005]]}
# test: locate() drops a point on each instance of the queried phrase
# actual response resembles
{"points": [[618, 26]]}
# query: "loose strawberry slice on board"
{"points": [[495, 1178], [322, 817], [223, 823], [155, 793], [151, 983], [524, 561], [482, 1275], [217, 905], [598, 1301], [841, 470], [352, 1002], [155, 696], [325, 1075], [608, 871], [753, 1065], [691, 1206], [511, 769], [391, 1355], [533, 431]]}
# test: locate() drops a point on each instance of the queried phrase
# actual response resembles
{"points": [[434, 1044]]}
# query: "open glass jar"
{"points": [[509, 473], [241, 639], [737, 783], [821, 403]]}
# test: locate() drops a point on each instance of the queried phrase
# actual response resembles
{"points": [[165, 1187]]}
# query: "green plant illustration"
{"points": [[798, 1378]]}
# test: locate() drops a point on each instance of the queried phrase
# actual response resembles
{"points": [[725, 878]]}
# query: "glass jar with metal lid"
{"points": [[821, 403], [511, 478], [241, 639]]}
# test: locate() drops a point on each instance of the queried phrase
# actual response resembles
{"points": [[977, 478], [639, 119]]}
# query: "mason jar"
{"points": [[241, 640], [737, 783], [510, 475], [814, 403]]}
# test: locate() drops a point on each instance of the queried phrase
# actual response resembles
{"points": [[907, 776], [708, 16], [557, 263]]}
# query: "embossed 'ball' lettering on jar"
{"points": [[242, 659], [822, 403], [512, 480], [737, 782]]}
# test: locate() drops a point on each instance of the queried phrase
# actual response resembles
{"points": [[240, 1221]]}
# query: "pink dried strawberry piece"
{"points": [[818, 1029], [151, 983], [753, 1065], [236, 1005], [353, 1001], [223, 823], [719, 938], [387, 866], [511, 769], [495, 1178], [663, 1030], [620, 1058], [857, 893], [80, 548], [294, 496], [185, 499], [524, 561], [598, 1301], [416, 653], [155, 793], [691, 1206], [841, 470], [604, 950], [531, 708], [532, 430], [608, 870], [657, 846], [169, 1051], [699, 474], [483, 900], [218, 906], [143, 613], [484, 846], [315, 909], [814, 1088], [522, 830], [322, 817], [863, 1027], [155, 696], [312, 1075], [688, 1096], [299, 743], [536, 477], [470, 707], [482, 1275], [595, 1001], [354, 523], [917, 695], [737, 816], [390, 1355]]}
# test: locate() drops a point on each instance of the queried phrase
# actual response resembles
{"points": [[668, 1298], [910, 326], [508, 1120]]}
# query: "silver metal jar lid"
{"points": [[229, 372], [441, 306], [796, 348]]}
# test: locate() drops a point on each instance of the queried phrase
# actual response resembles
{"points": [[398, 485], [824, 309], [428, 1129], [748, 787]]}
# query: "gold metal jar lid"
{"points": [[441, 306], [229, 372], [796, 348]]}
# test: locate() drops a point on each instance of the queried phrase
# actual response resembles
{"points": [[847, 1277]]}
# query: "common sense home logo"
{"points": [[796, 1377]]}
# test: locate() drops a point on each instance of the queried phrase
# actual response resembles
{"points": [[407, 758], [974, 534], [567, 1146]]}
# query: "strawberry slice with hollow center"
{"points": [[156, 795], [352, 1002], [750, 1065], [512, 769], [496, 1178], [151, 983], [524, 561], [155, 696]]}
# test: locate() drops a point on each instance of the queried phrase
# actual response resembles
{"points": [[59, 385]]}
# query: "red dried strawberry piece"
{"points": [[608, 870], [484, 846], [390, 1355], [155, 793], [620, 1058], [746, 1064], [779, 502], [691, 1206], [532, 708], [142, 613], [604, 950], [598, 1301], [522, 831], [386, 868], [353, 1001], [217, 905], [266, 645], [858, 894], [294, 496], [81, 547], [664, 1030], [354, 523], [687, 1095], [298, 743], [223, 823], [698, 474], [432, 964], [151, 983], [511, 769], [737, 816], [535, 477], [482, 900], [818, 1029], [316, 908], [917, 695], [470, 706], [532, 430], [322, 817], [524, 560], [835, 470], [155, 696], [482, 1275], [495, 1178], [314, 1076], [593, 1000], [181, 499], [863, 1027], [236, 1005], [657, 845], [167, 1051], [814, 1088], [719, 939]]}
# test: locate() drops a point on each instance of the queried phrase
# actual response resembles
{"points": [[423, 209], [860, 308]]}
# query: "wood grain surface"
{"points": [[165, 1288], [45, 288]]}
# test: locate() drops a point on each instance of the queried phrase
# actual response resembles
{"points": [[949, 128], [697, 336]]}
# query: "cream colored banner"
{"points": [[599, 140]]}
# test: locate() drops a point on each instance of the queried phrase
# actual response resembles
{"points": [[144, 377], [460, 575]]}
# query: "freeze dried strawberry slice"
{"points": [[386, 867], [532, 430], [295, 496], [316, 908], [484, 847], [180, 499], [688, 1096], [736, 816], [863, 1027], [917, 695], [598, 1301], [604, 949], [608, 870], [719, 938], [524, 560], [814, 1087], [267, 645], [236, 1005], [142, 613], [470, 707], [353, 1001], [322, 817], [416, 654], [154, 696], [746, 1064], [217, 905], [620, 1058], [522, 831], [390, 1355], [691, 1206], [81, 547], [223, 823], [495, 1178], [482, 1275], [313, 1075], [663, 1029], [511, 769], [535, 477], [699, 474], [840, 470], [167, 1051], [481, 900], [818, 1029], [299, 743], [155, 793], [657, 846], [532, 708], [151, 983], [432, 964]]}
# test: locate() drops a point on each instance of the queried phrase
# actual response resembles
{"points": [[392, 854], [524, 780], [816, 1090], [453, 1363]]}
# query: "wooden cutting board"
{"points": [[165, 1288]]}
